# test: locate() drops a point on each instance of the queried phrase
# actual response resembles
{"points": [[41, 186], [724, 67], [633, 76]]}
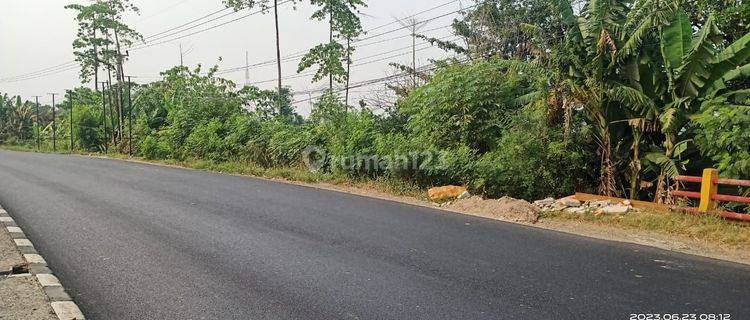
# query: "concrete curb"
{"points": [[60, 301]]}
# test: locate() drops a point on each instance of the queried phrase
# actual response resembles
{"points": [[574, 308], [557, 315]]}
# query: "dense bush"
{"points": [[463, 105], [533, 161], [724, 136]]}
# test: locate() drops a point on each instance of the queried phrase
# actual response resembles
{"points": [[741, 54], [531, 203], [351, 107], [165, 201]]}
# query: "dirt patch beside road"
{"points": [[9, 255], [21, 296]]}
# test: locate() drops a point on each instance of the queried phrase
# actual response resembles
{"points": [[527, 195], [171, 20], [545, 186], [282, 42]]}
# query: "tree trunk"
{"points": [[330, 42], [662, 185], [635, 165], [607, 180], [120, 95], [278, 50], [348, 70], [96, 64]]}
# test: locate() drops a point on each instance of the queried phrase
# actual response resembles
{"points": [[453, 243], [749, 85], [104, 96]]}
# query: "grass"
{"points": [[398, 187], [697, 227]]}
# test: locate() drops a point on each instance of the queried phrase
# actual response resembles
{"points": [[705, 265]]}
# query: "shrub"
{"points": [[532, 161], [723, 135], [206, 141], [463, 105], [152, 148]]}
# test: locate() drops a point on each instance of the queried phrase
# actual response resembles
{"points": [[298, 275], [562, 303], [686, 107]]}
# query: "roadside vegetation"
{"points": [[541, 98]]}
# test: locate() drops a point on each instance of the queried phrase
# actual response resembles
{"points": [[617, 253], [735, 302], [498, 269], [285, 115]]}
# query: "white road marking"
{"points": [[14, 230], [34, 258], [67, 310], [48, 280], [23, 242]]}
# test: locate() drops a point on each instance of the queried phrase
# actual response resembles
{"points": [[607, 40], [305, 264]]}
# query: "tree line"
{"points": [[540, 98]]}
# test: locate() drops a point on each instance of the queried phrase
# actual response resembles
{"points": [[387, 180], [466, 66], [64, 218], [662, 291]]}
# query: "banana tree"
{"points": [[693, 71], [591, 54]]}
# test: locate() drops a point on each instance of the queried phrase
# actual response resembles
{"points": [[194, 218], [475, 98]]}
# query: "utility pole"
{"points": [[38, 138], [130, 120], [414, 25], [278, 50], [184, 53], [247, 68], [54, 125], [120, 80], [71, 122], [104, 115], [112, 101]]}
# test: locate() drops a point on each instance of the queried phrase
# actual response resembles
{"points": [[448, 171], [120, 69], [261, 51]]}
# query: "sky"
{"points": [[36, 35]]}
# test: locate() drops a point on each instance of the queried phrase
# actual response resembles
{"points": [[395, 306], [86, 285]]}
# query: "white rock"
{"points": [[599, 204], [465, 195], [616, 209], [576, 210], [569, 202], [545, 202]]}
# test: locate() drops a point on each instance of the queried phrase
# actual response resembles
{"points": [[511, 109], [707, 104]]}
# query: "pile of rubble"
{"points": [[573, 205]]}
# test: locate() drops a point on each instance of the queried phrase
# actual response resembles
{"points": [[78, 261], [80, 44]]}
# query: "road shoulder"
{"points": [[29, 289]]}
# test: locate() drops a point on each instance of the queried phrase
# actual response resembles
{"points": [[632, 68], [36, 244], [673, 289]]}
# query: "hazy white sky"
{"points": [[37, 34]]}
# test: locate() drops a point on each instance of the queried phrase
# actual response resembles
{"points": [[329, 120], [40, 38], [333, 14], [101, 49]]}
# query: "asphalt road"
{"points": [[135, 241]]}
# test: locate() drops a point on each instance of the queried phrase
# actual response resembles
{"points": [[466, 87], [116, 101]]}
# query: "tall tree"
{"points": [[265, 5], [102, 35], [344, 25]]}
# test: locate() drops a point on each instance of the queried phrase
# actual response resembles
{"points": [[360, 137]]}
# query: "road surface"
{"points": [[136, 241]]}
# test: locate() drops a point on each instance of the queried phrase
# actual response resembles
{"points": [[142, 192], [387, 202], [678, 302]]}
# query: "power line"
{"points": [[203, 30], [292, 57], [164, 35], [162, 11], [53, 68], [306, 74], [423, 21], [416, 14], [43, 75], [68, 65], [256, 12]]}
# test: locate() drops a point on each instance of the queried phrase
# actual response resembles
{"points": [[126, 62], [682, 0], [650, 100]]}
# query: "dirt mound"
{"points": [[505, 208]]}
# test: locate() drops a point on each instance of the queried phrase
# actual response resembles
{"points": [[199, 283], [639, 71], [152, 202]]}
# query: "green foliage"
{"points": [[344, 24], [533, 161], [87, 127], [463, 105], [101, 34], [552, 98], [724, 136]]}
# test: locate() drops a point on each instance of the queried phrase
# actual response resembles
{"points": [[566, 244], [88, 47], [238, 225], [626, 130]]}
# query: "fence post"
{"points": [[709, 189]]}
